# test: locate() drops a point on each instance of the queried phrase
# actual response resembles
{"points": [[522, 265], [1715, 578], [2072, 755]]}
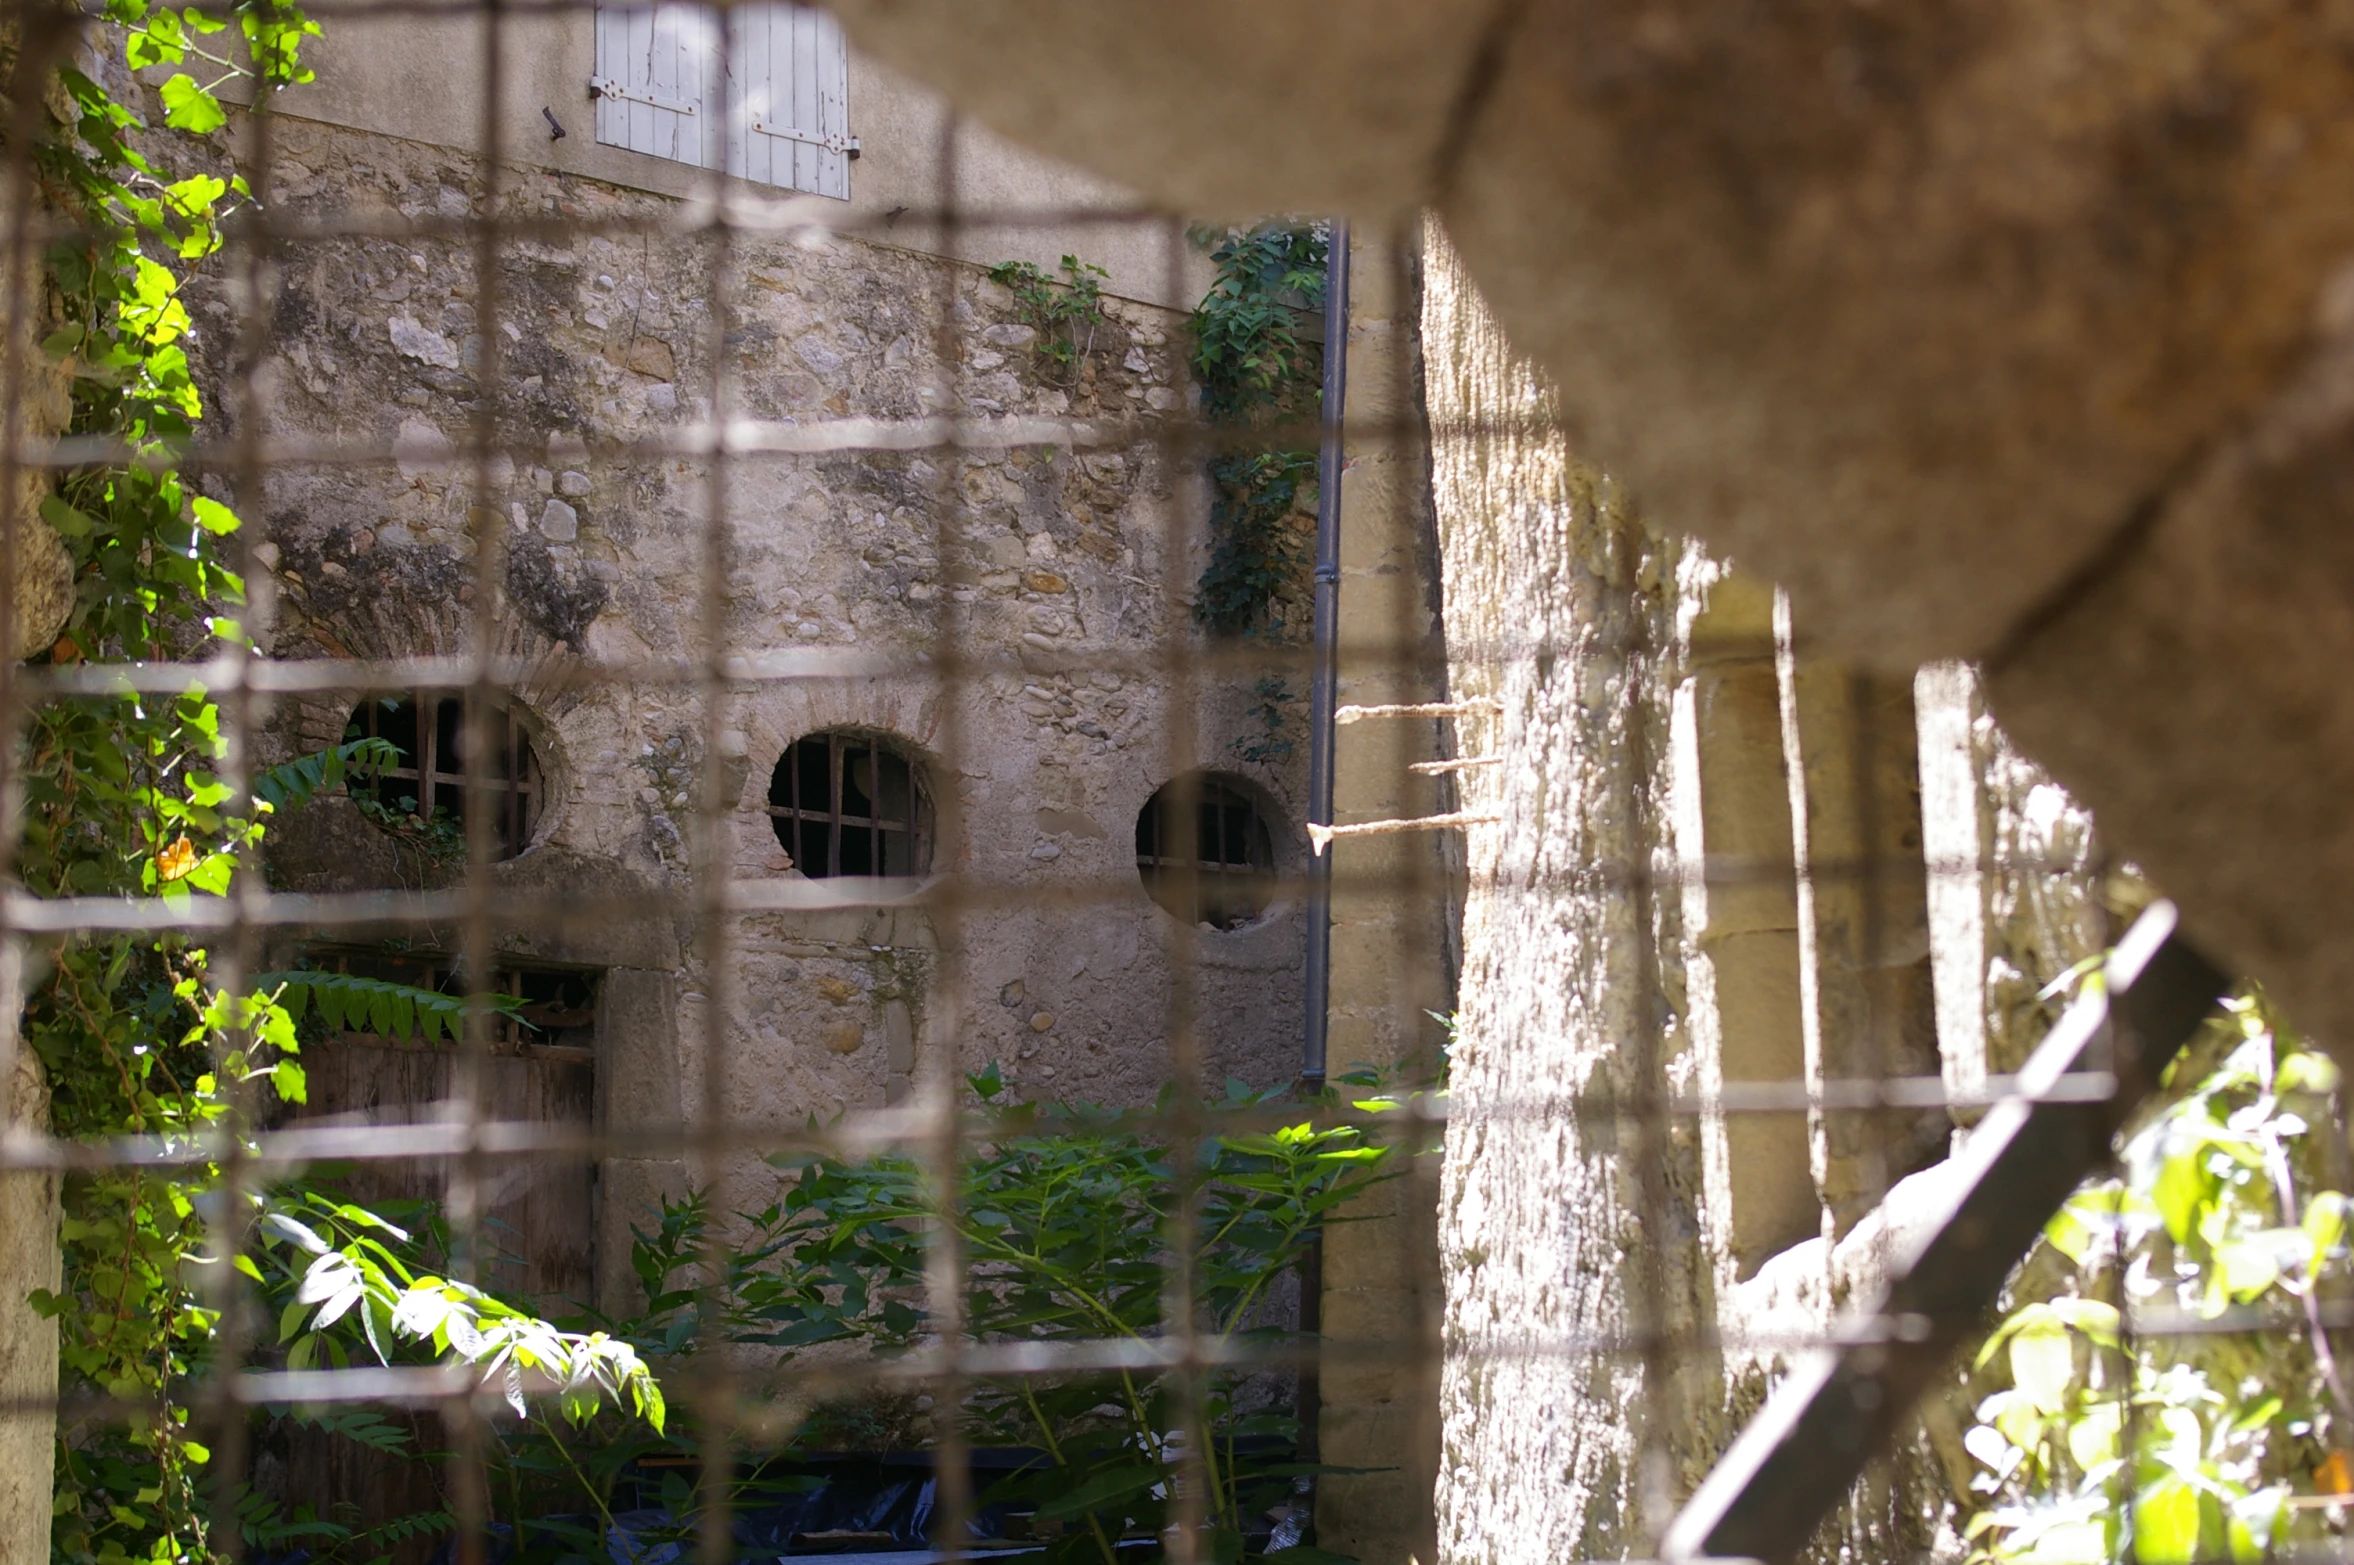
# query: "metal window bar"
{"points": [[517, 782], [907, 850]]}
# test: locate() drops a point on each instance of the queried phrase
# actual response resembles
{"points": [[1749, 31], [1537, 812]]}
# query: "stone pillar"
{"points": [[1561, 1251], [1848, 742], [2015, 898], [1740, 905], [637, 1086], [28, 1342], [1390, 940]]}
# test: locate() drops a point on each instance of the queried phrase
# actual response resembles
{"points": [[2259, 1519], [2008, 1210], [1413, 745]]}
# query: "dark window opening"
{"points": [[430, 783], [850, 804], [1204, 852]]}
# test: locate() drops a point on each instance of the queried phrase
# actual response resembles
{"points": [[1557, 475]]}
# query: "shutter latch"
{"points": [[843, 144], [607, 87]]}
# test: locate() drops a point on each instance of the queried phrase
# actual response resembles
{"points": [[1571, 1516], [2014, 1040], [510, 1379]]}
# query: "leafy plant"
{"points": [[292, 784], [2167, 1447], [437, 833], [333, 1263], [1064, 313], [374, 1005], [1256, 372], [1064, 1217], [123, 797], [1272, 703], [1246, 342], [1255, 551]]}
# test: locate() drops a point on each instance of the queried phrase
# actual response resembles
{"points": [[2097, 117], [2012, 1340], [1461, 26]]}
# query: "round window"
{"points": [[851, 804], [428, 791], [1204, 852]]}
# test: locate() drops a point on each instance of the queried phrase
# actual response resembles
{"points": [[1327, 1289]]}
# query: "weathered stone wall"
{"points": [[1556, 1442], [1723, 868], [1066, 573], [28, 1342]]}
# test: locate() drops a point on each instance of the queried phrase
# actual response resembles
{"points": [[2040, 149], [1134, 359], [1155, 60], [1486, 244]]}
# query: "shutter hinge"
{"points": [[607, 87], [843, 144]]}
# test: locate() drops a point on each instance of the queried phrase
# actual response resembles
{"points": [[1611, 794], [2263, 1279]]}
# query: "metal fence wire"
{"points": [[783, 643]]}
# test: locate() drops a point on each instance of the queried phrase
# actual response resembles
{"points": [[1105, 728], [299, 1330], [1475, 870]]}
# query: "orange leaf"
{"points": [[2334, 1476], [65, 651], [176, 860]]}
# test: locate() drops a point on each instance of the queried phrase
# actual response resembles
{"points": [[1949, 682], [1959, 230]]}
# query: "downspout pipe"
{"points": [[1324, 675], [1323, 690]]}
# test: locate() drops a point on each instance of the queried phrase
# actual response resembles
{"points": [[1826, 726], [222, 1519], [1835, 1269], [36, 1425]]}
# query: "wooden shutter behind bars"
{"points": [[781, 118]]}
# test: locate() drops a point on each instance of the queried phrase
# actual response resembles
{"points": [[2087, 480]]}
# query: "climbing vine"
{"points": [[1256, 373], [123, 797], [1063, 311]]}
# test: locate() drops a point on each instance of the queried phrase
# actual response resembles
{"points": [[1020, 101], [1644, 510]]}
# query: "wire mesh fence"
{"points": [[711, 651]]}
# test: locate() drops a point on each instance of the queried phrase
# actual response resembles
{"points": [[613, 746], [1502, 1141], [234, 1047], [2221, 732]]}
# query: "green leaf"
{"points": [[299, 1233], [2043, 1364], [212, 516], [188, 107], [2183, 1189], [1102, 1491], [2094, 1434], [2252, 1521], [68, 521], [2166, 1523]]}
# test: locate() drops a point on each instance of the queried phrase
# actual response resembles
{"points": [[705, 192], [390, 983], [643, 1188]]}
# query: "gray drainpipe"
{"points": [[1323, 684], [1323, 679]]}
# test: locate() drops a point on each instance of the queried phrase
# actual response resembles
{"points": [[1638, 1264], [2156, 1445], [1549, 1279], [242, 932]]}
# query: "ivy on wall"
{"points": [[1064, 313], [1257, 374], [123, 797]]}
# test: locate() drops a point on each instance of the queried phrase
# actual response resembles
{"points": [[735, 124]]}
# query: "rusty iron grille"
{"points": [[847, 804], [1224, 864], [430, 730]]}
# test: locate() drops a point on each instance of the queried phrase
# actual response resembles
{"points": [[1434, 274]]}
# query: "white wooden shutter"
{"points": [[781, 116], [652, 81]]}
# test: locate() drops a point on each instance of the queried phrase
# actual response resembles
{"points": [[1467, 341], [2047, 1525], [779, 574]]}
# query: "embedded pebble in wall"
{"points": [[1046, 850], [1011, 995], [573, 484], [842, 1037], [1041, 1021], [559, 523]]}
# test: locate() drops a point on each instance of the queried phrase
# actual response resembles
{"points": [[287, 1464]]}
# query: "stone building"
{"points": [[1051, 556]]}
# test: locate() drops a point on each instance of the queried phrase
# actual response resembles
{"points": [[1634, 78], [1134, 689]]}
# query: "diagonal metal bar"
{"points": [[1844, 1401]]}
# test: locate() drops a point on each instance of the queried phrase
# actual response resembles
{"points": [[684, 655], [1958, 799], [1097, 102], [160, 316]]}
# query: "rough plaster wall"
{"points": [[28, 1342], [1542, 1225], [39, 399], [1068, 560]]}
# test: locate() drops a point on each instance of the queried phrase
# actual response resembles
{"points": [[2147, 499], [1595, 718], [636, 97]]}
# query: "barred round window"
{"points": [[427, 792], [1204, 852], [846, 803]]}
